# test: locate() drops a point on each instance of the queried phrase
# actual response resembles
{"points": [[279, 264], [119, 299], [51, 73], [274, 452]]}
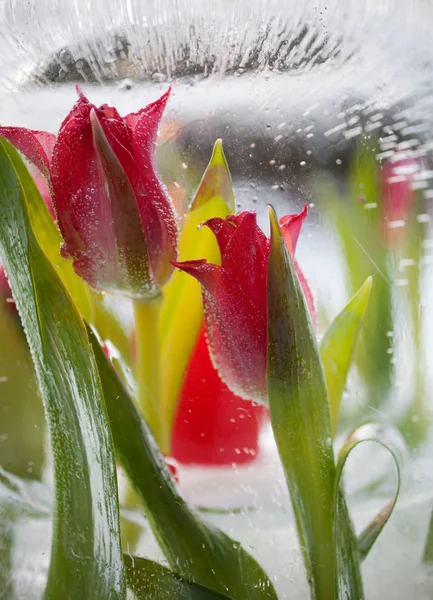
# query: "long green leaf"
{"points": [[195, 550], [337, 348], [86, 560], [151, 581], [349, 579], [298, 405], [6, 554], [390, 439]]}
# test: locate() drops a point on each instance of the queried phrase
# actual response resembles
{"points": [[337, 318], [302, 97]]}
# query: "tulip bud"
{"points": [[116, 219], [234, 299]]}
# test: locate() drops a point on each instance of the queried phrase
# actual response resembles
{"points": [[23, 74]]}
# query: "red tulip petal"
{"points": [[247, 249], [4, 283], [234, 298], [223, 231], [131, 247], [156, 209], [37, 146], [307, 293], [44, 190], [213, 426], [206, 274], [291, 226], [82, 201], [133, 141], [236, 330], [154, 108]]}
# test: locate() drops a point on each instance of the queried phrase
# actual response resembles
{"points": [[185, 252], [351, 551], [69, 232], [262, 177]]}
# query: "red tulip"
{"points": [[234, 299], [117, 221], [397, 196], [213, 426]]}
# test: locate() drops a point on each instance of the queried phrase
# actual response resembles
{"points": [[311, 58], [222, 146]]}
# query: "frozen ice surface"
{"points": [[288, 86]]}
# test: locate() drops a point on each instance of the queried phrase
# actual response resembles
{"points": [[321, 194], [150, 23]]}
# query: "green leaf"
{"points": [[337, 348], [86, 559], [194, 549], [7, 554], [299, 410], [363, 175], [365, 253], [349, 579], [182, 311], [151, 581], [391, 440]]}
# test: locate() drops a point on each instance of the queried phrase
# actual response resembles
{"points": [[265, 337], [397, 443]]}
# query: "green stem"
{"points": [[147, 366]]}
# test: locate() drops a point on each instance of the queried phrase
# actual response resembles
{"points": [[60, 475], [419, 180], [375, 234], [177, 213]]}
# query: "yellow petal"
{"points": [[182, 312]]}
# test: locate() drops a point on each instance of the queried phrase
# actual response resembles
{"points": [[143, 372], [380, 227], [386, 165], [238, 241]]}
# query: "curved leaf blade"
{"points": [[86, 560], [194, 549], [350, 586], [390, 439], [338, 345], [151, 581]]}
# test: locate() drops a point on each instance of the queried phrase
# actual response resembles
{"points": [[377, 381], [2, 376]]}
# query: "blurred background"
{"points": [[327, 104]]}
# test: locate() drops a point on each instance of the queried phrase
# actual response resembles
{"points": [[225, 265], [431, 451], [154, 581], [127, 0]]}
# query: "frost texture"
{"points": [[154, 39]]}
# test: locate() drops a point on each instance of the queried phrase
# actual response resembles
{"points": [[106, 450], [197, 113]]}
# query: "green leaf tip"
{"points": [[218, 156], [216, 181], [273, 221], [362, 295], [338, 345]]}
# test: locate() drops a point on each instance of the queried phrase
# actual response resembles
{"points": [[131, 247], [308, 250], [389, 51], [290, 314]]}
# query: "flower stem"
{"points": [[147, 365]]}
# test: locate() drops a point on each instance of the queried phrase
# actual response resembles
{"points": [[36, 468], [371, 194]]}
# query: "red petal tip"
{"points": [[159, 105], [291, 226], [189, 264], [79, 91]]}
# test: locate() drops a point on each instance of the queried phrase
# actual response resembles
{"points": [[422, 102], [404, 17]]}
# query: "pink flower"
{"points": [[115, 216], [234, 299]]}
